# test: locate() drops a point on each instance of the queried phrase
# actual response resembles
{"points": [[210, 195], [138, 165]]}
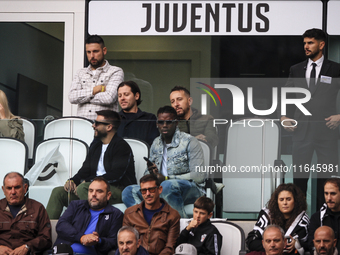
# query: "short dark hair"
{"points": [[134, 89], [150, 178], [179, 88], [167, 109], [335, 181], [95, 39], [102, 179], [204, 203], [316, 33], [111, 116], [12, 174]]}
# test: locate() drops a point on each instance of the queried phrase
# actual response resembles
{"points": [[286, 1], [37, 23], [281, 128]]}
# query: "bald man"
{"points": [[324, 241]]}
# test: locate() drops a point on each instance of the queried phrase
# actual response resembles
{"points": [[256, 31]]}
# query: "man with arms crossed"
{"points": [[109, 156], [25, 226], [90, 226], [154, 219], [95, 88]]}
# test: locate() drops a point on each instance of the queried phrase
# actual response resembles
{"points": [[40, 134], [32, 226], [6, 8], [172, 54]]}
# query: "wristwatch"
{"points": [[27, 247]]}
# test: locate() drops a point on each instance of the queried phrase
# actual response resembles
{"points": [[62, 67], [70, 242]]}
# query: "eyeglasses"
{"points": [[151, 190], [96, 123], [167, 122]]}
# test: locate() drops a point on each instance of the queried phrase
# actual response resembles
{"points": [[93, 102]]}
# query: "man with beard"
{"points": [[316, 132], [329, 213], [95, 88], [90, 226], [109, 156], [174, 157], [324, 241], [273, 240], [155, 220], [135, 123], [191, 121]]}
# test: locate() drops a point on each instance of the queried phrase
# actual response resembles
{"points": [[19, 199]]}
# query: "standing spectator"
{"points": [[95, 88]]}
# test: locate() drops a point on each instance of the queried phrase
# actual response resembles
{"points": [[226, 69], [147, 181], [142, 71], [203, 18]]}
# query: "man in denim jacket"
{"points": [[175, 158]]}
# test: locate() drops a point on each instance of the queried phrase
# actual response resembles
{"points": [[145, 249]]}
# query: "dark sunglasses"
{"points": [[167, 122], [151, 190], [96, 123]]}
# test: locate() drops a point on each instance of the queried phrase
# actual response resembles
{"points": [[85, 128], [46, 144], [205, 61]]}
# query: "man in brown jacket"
{"points": [[25, 226], [154, 219]]}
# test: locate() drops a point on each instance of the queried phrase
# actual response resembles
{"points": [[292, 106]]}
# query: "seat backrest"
{"points": [[251, 149], [206, 153], [233, 237], [74, 127], [13, 157], [74, 152], [139, 149], [29, 130]]}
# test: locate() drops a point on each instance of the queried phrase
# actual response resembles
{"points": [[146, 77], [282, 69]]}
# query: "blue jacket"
{"points": [[141, 126], [140, 251], [73, 223]]}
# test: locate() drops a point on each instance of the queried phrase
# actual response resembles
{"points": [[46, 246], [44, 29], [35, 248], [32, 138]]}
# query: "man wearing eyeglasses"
{"points": [[109, 156], [155, 220], [175, 156]]}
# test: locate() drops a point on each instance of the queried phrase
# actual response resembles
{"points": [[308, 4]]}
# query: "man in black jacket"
{"points": [[90, 226], [200, 232], [329, 213], [109, 156]]}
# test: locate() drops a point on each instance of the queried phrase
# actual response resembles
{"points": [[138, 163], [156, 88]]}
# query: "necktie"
{"points": [[312, 78]]}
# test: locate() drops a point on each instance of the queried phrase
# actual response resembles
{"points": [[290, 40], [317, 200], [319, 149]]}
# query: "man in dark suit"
{"points": [[318, 131]]}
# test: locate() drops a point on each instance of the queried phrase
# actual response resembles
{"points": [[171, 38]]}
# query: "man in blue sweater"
{"points": [[91, 226]]}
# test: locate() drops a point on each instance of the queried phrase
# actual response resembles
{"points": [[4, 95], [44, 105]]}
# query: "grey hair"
{"points": [[131, 229], [277, 227], [13, 175]]}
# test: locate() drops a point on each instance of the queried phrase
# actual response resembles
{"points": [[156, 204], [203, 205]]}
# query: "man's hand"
{"points": [[70, 186], [192, 224], [153, 169], [288, 125], [90, 239], [4, 250], [21, 250], [333, 121], [98, 88], [2, 112], [202, 137]]}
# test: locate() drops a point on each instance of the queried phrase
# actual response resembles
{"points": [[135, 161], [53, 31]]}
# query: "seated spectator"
{"points": [[25, 226], [185, 249], [109, 156], [90, 226], [154, 219], [135, 123], [286, 208], [274, 240], [324, 241], [191, 121], [129, 242], [10, 125], [200, 232], [174, 156], [328, 215]]}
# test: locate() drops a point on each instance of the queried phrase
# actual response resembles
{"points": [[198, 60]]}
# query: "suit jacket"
{"points": [[322, 103]]}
